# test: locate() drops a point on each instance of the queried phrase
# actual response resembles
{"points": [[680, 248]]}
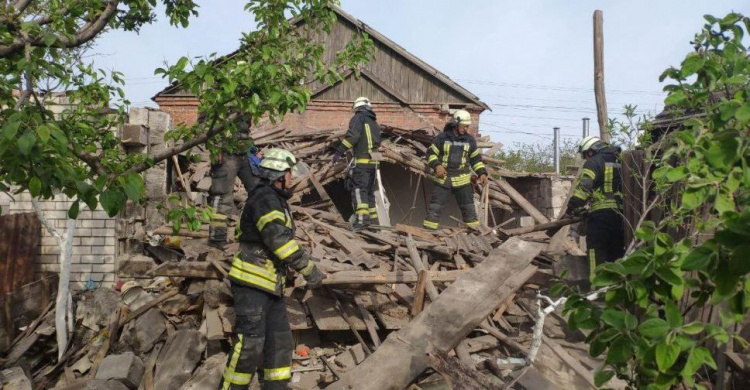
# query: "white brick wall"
{"points": [[94, 245]]}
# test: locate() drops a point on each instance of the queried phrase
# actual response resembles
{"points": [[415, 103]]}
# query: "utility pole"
{"points": [[556, 131], [601, 100], [585, 128]]}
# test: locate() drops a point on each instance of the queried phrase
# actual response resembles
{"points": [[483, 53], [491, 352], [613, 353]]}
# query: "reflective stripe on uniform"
{"points": [[478, 166], [268, 272], [609, 176], [580, 194], [463, 159], [218, 220], [446, 153], [461, 180], [605, 204], [369, 137], [268, 217], [277, 374], [473, 224], [374, 211], [476, 153], [252, 279], [592, 264], [286, 250], [346, 144], [589, 173], [232, 377], [432, 158], [430, 225], [435, 149], [362, 208], [307, 269]]}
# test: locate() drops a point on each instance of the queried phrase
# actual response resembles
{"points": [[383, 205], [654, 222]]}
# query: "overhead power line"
{"points": [[557, 88]]}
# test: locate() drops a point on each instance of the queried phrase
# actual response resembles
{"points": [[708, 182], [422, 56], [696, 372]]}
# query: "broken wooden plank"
{"points": [[419, 293], [148, 306], [378, 277], [450, 318], [322, 192], [326, 316], [369, 322], [556, 224], [350, 322], [416, 261], [458, 373], [187, 269], [354, 251], [417, 232]]}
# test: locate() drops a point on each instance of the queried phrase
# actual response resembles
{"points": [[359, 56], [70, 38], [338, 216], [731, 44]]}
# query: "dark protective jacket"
{"points": [[363, 137], [267, 244], [458, 154], [600, 182]]}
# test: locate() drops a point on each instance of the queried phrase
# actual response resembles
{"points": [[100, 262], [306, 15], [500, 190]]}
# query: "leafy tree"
{"points": [[640, 328], [538, 158], [77, 153]]}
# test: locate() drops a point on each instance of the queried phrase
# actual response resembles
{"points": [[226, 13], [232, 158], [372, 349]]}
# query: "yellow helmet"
{"points": [[462, 117], [275, 162]]}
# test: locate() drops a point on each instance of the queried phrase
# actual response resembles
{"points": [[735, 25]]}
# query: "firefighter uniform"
{"points": [[458, 155], [600, 186], [362, 138], [234, 163], [257, 275]]}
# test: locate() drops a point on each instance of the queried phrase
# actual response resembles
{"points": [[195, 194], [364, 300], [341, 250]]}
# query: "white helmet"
{"points": [[361, 101], [462, 117], [276, 162], [590, 143]]}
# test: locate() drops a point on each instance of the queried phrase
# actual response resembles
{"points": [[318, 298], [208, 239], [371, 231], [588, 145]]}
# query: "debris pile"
{"points": [[401, 307]]}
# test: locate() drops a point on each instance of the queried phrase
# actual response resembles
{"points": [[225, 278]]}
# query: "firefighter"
{"points": [[453, 155], [363, 138], [267, 248], [600, 188], [235, 159]]}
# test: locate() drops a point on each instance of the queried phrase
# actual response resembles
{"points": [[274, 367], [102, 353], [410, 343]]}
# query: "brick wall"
{"points": [[331, 114], [94, 243]]}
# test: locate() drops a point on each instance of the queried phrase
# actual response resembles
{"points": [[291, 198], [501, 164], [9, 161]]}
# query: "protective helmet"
{"points": [[462, 117], [361, 101], [276, 162], [590, 143]]}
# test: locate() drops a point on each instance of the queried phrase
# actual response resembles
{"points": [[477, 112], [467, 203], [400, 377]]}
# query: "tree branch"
{"points": [[86, 33], [20, 5], [168, 153]]}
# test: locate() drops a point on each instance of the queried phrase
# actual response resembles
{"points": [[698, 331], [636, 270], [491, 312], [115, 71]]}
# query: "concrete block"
{"points": [[134, 135], [103, 250], [78, 268], [81, 250], [126, 368], [103, 268], [100, 214], [50, 250], [93, 223], [47, 259], [178, 359], [208, 375], [95, 308], [92, 241], [101, 384], [48, 267], [14, 379], [138, 116], [83, 232], [145, 331], [134, 266]]}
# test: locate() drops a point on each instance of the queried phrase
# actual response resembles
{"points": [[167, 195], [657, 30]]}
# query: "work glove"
{"points": [[336, 157], [440, 172], [315, 278], [483, 179], [577, 212]]}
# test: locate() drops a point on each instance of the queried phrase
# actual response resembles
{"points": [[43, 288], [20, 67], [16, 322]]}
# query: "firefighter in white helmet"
{"points": [[263, 342], [453, 156], [600, 189], [362, 138]]}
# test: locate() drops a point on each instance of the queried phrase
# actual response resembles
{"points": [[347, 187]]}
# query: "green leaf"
{"points": [[112, 200], [692, 198], [620, 350], [699, 258], [134, 187], [654, 328], [73, 210], [677, 173], [722, 152], [692, 64], [674, 318], [675, 98], [743, 113], [698, 356], [49, 39], [44, 133], [669, 275], [693, 328], [35, 186], [614, 318], [602, 377], [11, 129], [26, 142], [740, 260], [666, 355]]}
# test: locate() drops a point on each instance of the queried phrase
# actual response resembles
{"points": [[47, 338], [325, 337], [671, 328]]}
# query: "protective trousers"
{"points": [[221, 196], [363, 195], [440, 194], [263, 339], [605, 237]]}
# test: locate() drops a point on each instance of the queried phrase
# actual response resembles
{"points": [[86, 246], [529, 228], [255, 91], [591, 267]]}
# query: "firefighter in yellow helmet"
{"points": [[268, 248], [453, 155], [600, 188]]}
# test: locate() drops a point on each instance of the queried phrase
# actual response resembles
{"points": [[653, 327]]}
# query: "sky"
{"points": [[530, 61]]}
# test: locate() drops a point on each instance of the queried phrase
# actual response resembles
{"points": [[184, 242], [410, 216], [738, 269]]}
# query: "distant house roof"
{"points": [[427, 69]]}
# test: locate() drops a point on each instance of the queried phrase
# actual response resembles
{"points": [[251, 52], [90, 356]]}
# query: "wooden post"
{"points": [[419, 292], [601, 99]]}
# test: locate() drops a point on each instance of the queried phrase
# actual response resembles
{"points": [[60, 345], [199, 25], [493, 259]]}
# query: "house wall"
{"points": [[94, 244]]}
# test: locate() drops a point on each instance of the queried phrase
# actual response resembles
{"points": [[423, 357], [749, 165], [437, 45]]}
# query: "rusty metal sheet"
{"points": [[19, 240]]}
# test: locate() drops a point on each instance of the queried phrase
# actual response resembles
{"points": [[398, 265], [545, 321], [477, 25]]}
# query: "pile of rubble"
{"points": [[455, 307], [401, 308]]}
